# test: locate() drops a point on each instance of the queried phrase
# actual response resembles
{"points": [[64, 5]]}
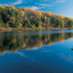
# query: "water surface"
{"points": [[36, 52]]}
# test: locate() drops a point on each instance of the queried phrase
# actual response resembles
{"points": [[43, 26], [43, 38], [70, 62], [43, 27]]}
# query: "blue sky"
{"points": [[61, 7]]}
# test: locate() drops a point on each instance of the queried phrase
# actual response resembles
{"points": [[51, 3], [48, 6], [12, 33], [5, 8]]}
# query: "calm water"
{"points": [[36, 52]]}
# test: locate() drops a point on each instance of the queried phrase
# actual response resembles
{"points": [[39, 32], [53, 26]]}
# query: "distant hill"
{"points": [[28, 18]]}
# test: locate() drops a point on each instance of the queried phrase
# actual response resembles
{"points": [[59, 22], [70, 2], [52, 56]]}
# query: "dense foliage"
{"points": [[28, 18]]}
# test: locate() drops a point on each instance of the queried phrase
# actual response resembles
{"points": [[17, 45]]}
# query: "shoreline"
{"points": [[3, 29]]}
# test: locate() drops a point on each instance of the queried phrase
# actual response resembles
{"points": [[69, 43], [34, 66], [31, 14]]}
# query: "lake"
{"points": [[36, 52]]}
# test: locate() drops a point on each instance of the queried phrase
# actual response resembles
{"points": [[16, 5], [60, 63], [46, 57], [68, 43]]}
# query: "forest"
{"points": [[12, 17]]}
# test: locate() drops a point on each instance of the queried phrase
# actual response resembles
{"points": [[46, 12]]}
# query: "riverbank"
{"points": [[29, 29]]}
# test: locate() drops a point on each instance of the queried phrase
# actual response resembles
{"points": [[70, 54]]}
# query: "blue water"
{"points": [[54, 58]]}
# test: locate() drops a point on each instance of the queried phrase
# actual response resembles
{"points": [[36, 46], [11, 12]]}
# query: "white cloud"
{"points": [[18, 2], [34, 7], [15, 3], [44, 4], [57, 1], [60, 1]]}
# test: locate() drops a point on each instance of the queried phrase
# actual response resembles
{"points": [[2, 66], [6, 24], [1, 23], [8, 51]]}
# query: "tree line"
{"points": [[11, 16]]}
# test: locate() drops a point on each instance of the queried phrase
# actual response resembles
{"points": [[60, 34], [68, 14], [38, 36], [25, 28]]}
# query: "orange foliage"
{"points": [[1, 6], [13, 8]]}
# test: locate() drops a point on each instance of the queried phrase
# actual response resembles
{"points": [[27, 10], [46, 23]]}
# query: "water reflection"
{"points": [[36, 53], [14, 41]]}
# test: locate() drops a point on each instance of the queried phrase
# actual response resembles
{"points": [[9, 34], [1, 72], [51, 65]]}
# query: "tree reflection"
{"points": [[15, 42]]}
